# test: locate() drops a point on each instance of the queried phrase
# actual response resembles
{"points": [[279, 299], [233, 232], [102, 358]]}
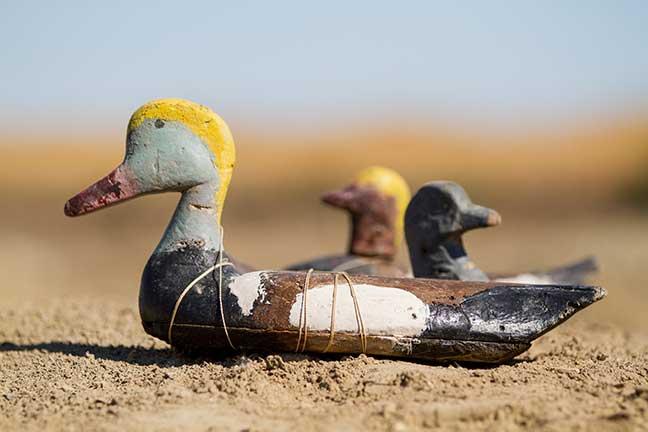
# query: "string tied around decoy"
{"points": [[303, 313], [219, 265]]}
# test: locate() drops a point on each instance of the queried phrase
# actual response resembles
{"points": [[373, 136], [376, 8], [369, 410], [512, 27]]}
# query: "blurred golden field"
{"points": [[563, 194]]}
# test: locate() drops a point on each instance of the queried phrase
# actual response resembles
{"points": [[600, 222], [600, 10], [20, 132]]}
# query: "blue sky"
{"points": [[304, 63]]}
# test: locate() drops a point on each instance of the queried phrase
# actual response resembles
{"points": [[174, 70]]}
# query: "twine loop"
{"points": [[303, 313], [188, 288]]}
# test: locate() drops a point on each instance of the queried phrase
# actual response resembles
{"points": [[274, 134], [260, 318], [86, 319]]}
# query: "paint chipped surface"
{"points": [[206, 125], [385, 311], [248, 288]]}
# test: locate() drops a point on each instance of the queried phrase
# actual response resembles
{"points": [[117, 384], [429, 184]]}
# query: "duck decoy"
{"points": [[376, 200], [194, 297], [436, 219]]}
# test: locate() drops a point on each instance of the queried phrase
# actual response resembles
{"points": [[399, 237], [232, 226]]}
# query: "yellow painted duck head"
{"points": [[376, 199], [171, 145]]}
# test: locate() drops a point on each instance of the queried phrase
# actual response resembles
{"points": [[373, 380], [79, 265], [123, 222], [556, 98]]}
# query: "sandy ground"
{"points": [[73, 355], [88, 366]]}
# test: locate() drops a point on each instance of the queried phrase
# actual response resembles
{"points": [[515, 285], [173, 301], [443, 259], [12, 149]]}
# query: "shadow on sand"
{"points": [[169, 357], [141, 356], [163, 357]]}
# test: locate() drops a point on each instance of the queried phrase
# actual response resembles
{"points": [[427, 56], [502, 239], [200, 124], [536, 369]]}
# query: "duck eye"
{"points": [[438, 205], [159, 123]]}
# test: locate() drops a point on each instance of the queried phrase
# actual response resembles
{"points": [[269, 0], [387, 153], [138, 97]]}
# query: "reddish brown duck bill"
{"points": [[116, 187]]}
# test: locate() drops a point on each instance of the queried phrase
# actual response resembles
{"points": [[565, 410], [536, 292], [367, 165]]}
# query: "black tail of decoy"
{"points": [[500, 323], [526, 312]]}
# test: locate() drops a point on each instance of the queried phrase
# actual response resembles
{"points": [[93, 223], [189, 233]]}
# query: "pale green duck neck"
{"points": [[194, 222]]}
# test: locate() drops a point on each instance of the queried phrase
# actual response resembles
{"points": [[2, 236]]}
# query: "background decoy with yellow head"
{"points": [[375, 200], [436, 219]]}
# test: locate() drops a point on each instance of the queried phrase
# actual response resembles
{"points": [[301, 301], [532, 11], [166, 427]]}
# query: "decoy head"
{"points": [[171, 145], [442, 209], [376, 198]]}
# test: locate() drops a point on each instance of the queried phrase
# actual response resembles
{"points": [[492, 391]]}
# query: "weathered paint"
{"points": [[457, 320], [407, 313], [163, 155], [464, 321], [169, 156], [117, 186], [248, 288], [205, 124]]}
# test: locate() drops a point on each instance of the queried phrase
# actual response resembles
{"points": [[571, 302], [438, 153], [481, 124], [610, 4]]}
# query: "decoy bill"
{"points": [[375, 200], [193, 296], [436, 219]]}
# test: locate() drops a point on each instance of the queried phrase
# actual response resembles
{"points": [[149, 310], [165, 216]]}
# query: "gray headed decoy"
{"points": [[436, 219]]}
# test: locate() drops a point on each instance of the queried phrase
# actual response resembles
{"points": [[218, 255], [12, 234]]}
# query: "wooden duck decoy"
{"points": [[376, 200], [192, 296], [437, 217]]}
